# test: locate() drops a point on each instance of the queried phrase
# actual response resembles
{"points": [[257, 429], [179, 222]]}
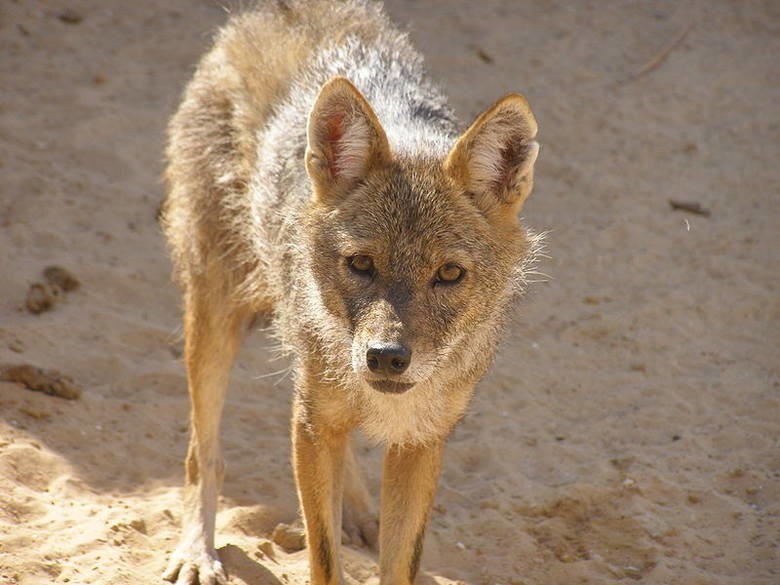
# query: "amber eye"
{"points": [[361, 264], [449, 273]]}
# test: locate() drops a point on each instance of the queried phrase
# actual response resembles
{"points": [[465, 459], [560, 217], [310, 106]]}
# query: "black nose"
{"points": [[390, 359]]}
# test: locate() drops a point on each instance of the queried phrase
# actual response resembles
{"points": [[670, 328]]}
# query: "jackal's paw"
{"points": [[360, 528], [195, 565]]}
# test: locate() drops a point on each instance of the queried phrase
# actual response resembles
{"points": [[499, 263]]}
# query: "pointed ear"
{"points": [[345, 139], [494, 159]]}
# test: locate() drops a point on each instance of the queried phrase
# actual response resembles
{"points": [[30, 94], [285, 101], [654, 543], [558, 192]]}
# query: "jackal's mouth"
{"points": [[390, 386]]}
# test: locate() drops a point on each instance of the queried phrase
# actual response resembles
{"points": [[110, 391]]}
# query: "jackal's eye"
{"points": [[361, 264], [449, 273]]}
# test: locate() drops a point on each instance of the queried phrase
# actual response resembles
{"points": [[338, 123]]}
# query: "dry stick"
{"points": [[690, 207], [661, 55]]}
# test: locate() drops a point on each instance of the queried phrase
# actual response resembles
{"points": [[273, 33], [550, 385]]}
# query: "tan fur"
{"points": [[310, 136]]}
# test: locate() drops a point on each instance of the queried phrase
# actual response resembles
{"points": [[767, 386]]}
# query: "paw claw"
{"points": [[191, 567]]}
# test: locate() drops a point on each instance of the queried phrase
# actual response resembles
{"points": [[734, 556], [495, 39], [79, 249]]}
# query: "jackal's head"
{"points": [[415, 256]]}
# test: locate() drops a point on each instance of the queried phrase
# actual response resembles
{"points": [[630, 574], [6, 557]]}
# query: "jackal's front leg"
{"points": [[318, 453], [408, 488], [212, 337]]}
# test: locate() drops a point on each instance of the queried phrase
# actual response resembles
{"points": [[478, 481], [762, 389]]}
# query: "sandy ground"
{"points": [[629, 431]]}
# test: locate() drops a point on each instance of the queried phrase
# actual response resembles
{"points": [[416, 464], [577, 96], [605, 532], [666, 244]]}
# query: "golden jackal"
{"points": [[316, 175]]}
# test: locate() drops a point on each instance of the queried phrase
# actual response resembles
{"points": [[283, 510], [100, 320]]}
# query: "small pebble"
{"points": [[16, 346], [289, 537], [70, 16], [58, 276], [42, 297], [484, 57], [266, 548]]}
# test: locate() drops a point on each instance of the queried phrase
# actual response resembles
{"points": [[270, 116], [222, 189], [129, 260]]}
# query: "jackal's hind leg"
{"points": [[360, 521]]}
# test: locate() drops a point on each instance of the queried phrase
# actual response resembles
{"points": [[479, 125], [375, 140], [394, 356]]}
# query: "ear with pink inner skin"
{"points": [[494, 159], [344, 140]]}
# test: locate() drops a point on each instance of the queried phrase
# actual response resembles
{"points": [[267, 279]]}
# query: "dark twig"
{"points": [[661, 55], [690, 207]]}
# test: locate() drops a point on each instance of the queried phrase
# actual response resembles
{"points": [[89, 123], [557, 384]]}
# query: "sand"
{"points": [[629, 431]]}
